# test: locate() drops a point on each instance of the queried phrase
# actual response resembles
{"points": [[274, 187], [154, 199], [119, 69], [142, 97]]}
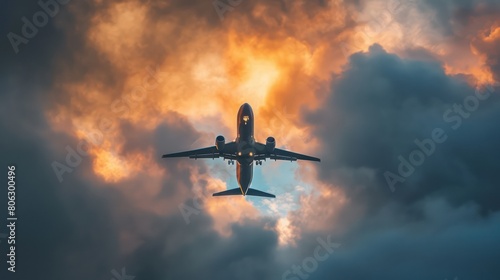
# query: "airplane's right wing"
{"points": [[279, 154]]}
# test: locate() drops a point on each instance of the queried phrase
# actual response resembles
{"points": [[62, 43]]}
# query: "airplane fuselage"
{"points": [[245, 147]]}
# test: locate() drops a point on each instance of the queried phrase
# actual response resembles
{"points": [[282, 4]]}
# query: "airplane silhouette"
{"points": [[245, 150]]}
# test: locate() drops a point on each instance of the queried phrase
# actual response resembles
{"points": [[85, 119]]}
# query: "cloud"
{"points": [[324, 77], [89, 228], [378, 106], [367, 125]]}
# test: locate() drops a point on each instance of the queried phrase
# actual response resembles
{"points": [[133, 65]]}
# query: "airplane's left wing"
{"points": [[209, 152], [279, 154]]}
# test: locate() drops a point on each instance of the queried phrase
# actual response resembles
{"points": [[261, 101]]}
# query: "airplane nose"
{"points": [[246, 108]]}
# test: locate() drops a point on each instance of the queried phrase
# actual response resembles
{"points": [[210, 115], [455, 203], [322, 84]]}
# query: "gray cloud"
{"points": [[381, 104], [378, 106]]}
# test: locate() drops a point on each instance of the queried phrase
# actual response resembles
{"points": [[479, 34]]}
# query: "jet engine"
{"points": [[270, 144], [219, 142]]}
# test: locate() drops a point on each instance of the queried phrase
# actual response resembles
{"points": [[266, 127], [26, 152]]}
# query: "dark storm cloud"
{"points": [[451, 15], [450, 242], [26, 142], [35, 58], [46, 224], [445, 213], [200, 253], [381, 104], [447, 242]]}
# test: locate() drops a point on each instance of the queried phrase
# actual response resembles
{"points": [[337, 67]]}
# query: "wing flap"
{"points": [[212, 156], [275, 157]]}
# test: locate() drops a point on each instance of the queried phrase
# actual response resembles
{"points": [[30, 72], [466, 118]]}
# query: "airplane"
{"points": [[245, 151]]}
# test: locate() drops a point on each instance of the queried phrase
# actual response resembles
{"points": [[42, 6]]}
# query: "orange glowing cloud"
{"points": [[234, 68], [485, 46]]}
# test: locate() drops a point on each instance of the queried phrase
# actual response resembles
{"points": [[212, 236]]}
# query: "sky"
{"points": [[399, 99]]}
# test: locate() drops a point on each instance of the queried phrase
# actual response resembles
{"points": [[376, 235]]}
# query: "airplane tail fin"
{"points": [[251, 192], [236, 191], [255, 192]]}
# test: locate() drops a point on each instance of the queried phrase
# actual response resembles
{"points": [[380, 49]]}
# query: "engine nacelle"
{"points": [[270, 144], [220, 142]]}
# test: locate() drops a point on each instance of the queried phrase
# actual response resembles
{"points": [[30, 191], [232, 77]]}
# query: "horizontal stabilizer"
{"points": [[236, 191], [255, 192]]}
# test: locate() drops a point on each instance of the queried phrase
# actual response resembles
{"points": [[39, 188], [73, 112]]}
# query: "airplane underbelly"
{"points": [[244, 173]]}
